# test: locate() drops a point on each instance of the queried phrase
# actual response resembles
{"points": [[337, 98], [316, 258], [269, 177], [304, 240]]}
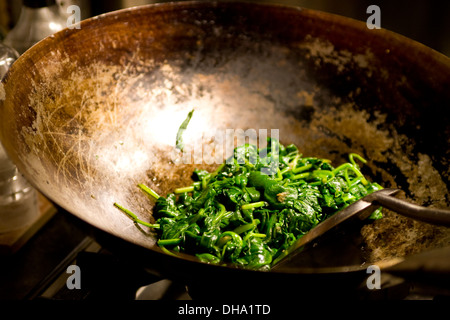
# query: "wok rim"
{"points": [[192, 4]]}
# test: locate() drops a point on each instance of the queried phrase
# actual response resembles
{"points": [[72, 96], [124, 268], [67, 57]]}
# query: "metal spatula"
{"points": [[362, 209]]}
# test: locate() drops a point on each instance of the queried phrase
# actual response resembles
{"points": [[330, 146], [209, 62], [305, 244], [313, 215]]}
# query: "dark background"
{"points": [[422, 20]]}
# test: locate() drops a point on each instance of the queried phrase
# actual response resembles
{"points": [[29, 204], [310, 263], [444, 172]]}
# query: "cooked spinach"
{"points": [[255, 205], [179, 140]]}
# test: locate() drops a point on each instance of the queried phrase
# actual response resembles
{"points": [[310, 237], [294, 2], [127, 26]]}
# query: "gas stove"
{"points": [[43, 269], [40, 269]]}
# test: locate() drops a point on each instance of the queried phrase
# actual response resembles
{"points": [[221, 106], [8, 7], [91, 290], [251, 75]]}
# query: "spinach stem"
{"points": [[253, 235], [352, 155], [218, 170], [184, 189], [302, 168], [301, 176], [253, 205], [164, 249], [293, 164], [352, 167], [205, 181], [221, 213], [169, 242], [149, 191], [246, 227], [285, 170], [279, 175], [135, 218]]}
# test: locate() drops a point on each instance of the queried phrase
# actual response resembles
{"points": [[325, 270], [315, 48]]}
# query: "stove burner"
{"points": [[103, 276]]}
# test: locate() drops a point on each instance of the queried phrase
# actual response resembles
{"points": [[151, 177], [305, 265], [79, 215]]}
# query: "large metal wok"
{"points": [[89, 113]]}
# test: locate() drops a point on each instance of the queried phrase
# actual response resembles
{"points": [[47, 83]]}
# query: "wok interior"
{"points": [[90, 113]]}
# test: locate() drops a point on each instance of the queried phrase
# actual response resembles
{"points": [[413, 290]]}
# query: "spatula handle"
{"points": [[430, 215]]}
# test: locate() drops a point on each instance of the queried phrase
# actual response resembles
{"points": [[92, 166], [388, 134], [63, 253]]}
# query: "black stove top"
{"points": [[40, 270]]}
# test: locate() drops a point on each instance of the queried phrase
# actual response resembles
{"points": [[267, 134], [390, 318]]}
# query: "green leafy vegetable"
{"points": [[255, 205], [181, 129]]}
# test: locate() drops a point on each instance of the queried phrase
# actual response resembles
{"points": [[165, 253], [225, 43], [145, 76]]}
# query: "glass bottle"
{"points": [[37, 20], [18, 199]]}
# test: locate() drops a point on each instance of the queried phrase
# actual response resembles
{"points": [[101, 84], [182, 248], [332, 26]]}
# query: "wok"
{"points": [[87, 114]]}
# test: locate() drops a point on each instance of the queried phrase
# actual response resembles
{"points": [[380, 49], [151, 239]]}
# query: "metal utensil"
{"points": [[362, 209]]}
